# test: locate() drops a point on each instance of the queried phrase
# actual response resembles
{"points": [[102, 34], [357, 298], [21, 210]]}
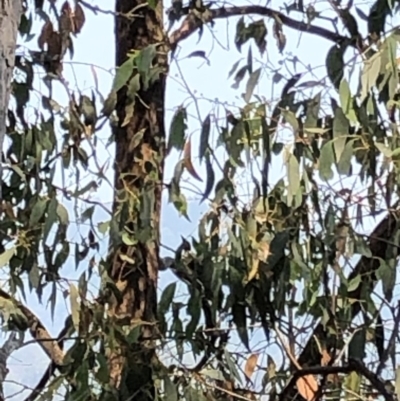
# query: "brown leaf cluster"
{"points": [[59, 41]]}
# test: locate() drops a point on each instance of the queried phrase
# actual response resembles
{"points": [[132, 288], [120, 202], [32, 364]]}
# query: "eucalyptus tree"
{"points": [[250, 260]]}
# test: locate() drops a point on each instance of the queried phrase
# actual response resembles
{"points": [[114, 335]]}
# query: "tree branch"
{"points": [[36, 328], [48, 373], [191, 23]]}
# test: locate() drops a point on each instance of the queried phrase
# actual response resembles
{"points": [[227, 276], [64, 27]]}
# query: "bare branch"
{"points": [[48, 373], [191, 23], [13, 342]]}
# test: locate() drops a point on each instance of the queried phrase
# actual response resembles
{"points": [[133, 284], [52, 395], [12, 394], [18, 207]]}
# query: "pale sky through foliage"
{"points": [[210, 86]]}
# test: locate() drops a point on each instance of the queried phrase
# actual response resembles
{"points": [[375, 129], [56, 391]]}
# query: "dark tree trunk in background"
{"points": [[140, 152]]}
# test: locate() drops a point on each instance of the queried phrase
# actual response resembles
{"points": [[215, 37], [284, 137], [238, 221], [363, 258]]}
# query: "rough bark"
{"points": [[140, 152], [10, 16]]}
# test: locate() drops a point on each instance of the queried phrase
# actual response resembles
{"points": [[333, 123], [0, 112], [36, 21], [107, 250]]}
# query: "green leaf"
{"points": [[204, 137], [239, 318], [88, 109], [102, 371], [356, 348], [166, 298], [293, 172], [344, 164], [175, 195], [38, 211], [377, 17], [133, 87], [75, 306], [123, 74], [234, 373], [239, 77], [258, 31], [134, 334], [51, 217], [62, 214], [6, 256], [335, 64], [354, 283], [177, 130], [234, 68], [291, 118], [313, 107], [171, 393], [396, 153], [346, 101], [397, 382], [194, 311], [110, 103], [210, 179], [370, 74], [326, 161], [212, 374], [152, 4], [251, 83], [387, 274], [340, 132], [144, 59], [103, 227]]}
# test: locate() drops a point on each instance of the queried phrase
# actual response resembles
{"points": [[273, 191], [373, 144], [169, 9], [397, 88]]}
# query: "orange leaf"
{"points": [[307, 386], [187, 161], [251, 364]]}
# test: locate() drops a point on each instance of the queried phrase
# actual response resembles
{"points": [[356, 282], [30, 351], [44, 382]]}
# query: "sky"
{"points": [[203, 88]]}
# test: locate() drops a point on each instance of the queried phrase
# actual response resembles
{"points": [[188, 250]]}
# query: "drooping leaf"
{"points": [[187, 161], [335, 64], [177, 130], [75, 306], [387, 274], [38, 211], [357, 345], [204, 137], [326, 161], [340, 132], [239, 318], [210, 179], [123, 74], [293, 174], [251, 83], [370, 74], [166, 298], [346, 101], [171, 393], [239, 77], [234, 373]]}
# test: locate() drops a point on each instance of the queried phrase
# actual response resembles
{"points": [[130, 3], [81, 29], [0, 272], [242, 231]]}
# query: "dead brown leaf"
{"points": [[187, 160], [45, 34], [307, 386], [251, 365], [79, 18]]}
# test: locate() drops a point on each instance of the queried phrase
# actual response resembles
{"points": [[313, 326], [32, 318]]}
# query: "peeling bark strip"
{"points": [[139, 161], [10, 16]]}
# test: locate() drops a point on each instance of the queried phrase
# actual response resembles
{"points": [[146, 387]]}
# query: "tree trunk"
{"points": [[140, 151], [10, 16]]}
